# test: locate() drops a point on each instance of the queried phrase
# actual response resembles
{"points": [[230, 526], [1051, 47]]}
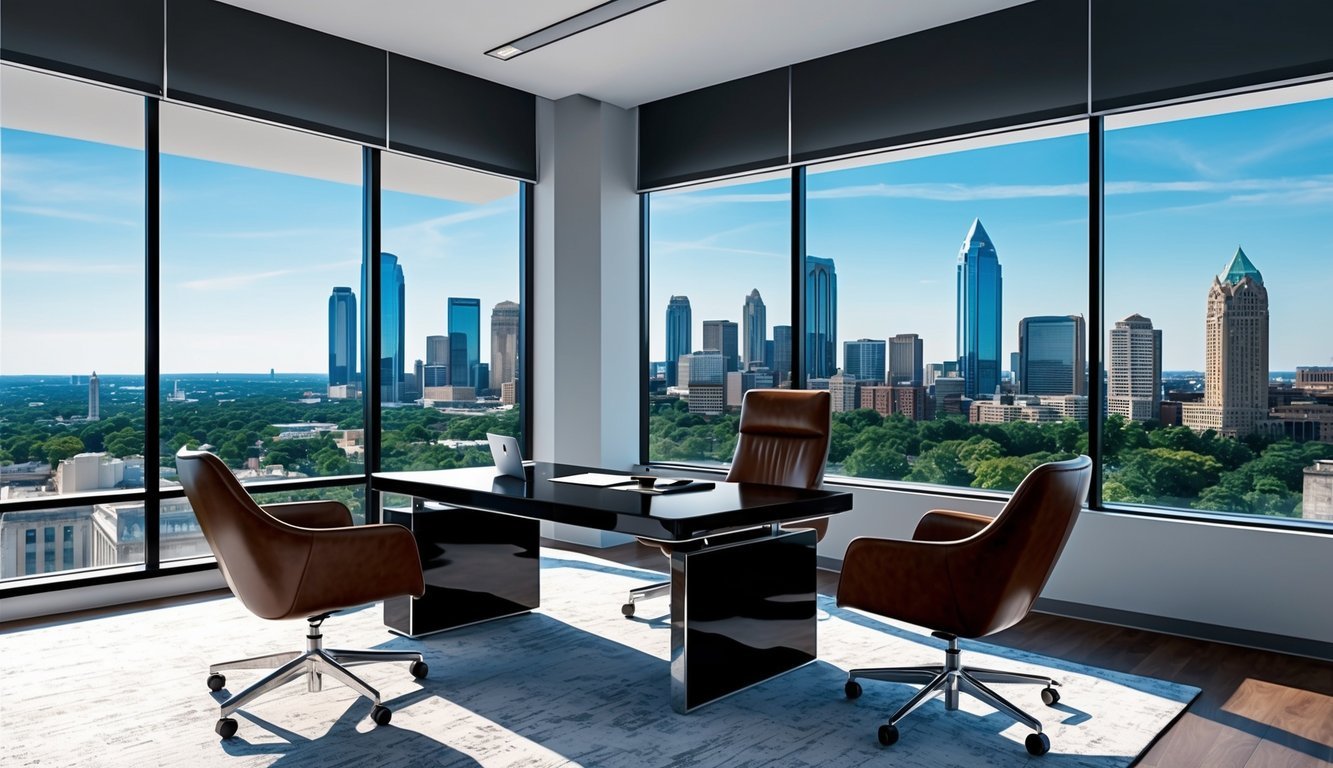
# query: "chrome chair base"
{"points": [[950, 679], [644, 593], [313, 664]]}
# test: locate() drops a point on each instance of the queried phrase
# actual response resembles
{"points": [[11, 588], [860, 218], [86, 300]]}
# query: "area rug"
{"points": [[572, 684]]}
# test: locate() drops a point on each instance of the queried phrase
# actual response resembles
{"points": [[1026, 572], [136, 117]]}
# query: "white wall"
{"points": [[586, 356]]}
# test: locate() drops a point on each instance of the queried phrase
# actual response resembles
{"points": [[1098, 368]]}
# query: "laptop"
{"points": [[506, 455]]}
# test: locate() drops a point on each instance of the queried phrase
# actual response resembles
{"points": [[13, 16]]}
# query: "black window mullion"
{"points": [[798, 308], [370, 320], [644, 362], [1096, 246], [526, 271], [152, 369]]}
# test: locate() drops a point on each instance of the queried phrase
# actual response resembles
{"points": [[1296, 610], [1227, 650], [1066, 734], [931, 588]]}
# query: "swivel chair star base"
{"points": [[313, 664], [949, 679]]}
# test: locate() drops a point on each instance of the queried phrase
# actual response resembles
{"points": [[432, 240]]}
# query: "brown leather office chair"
{"points": [[965, 575], [783, 440], [303, 559]]}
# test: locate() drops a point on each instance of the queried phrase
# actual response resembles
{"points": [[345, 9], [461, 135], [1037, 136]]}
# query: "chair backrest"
{"points": [[262, 559], [999, 572], [784, 438]]}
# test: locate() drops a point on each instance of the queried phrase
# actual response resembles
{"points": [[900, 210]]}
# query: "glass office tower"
{"points": [[342, 336], [979, 313], [906, 360], [1051, 355], [678, 339], [464, 341], [864, 359], [755, 330], [393, 315], [721, 336], [821, 313]]}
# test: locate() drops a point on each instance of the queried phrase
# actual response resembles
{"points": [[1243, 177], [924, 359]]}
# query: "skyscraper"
{"points": [[906, 360], [1052, 355], [979, 312], [437, 351], [464, 340], [781, 364], [1235, 391], [342, 336], [94, 398], [678, 341], [755, 327], [393, 315], [821, 312], [1135, 378], [863, 360], [721, 336], [504, 343]]}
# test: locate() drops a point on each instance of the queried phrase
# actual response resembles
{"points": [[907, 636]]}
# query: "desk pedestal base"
{"points": [[745, 612], [478, 566]]}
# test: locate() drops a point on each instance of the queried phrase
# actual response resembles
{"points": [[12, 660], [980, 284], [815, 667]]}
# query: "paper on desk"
{"points": [[595, 479]]}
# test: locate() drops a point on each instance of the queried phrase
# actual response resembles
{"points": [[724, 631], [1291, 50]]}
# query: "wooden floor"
{"points": [[1257, 709]]}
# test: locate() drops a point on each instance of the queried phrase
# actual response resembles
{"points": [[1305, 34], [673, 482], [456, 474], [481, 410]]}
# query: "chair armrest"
{"points": [[359, 564], [320, 513], [948, 525], [907, 580]]}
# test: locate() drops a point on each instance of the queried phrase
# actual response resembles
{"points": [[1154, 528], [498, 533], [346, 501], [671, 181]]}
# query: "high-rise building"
{"points": [[392, 309], [864, 360], [1052, 355], [342, 336], [721, 335], [464, 340], [1235, 388], [705, 373], [437, 350], [979, 312], [906, 361], [821, 317], [94, 398], [755, 327], [504, 343], [843, 389], [781, 353], [678, 341], [1135, 378]]}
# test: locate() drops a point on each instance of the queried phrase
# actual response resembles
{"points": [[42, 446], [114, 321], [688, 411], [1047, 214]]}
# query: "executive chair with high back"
{"points": [[966, 575], [298, 560], [783, 440]]}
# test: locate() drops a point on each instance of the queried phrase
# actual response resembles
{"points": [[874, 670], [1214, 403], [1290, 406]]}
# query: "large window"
{"points": [[449, 313], [719, 311], [946, 297], [71, 312], [1220, 390]]}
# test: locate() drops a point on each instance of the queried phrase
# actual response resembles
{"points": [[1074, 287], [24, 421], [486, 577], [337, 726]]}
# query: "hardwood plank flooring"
{"points": [[1257, 709]]}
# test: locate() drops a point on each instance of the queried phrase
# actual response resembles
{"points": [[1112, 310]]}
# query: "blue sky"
{"points": [[1181, 197], [249, 257]]}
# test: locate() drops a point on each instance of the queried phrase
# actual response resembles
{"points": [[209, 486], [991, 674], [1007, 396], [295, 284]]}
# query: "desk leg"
{"points": [[478, 566], [740, 614]]}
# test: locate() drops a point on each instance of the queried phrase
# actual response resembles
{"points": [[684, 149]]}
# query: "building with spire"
{"points": [[504, 344], [754, 331], [979, 313], [821, 318], [1134, 379], [678, 340], [1235, 390]]}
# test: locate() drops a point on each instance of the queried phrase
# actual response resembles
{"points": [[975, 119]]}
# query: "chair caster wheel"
{"points": [[419, 669], [627, 609], [216, 683], [852, 689], [226, 727], [888, 735], [1037, 744], [381, 715], [1049, 696]]}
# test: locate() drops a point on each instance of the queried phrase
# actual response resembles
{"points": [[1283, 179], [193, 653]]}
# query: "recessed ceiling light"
{"points": [[573, 25]]}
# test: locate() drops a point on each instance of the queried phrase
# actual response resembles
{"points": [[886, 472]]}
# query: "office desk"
{"points": [[742, 589]]}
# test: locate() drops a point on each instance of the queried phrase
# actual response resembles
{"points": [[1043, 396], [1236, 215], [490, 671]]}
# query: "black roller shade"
{"points": [[228, 58], [440, 113], [1145, 51], [1019, 65], [740, 125], [111, 42]]}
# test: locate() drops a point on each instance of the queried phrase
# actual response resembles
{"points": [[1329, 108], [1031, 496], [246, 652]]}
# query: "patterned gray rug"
{"points": [[573, 684]]}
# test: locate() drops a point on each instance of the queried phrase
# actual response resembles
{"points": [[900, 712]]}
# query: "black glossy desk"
{"points": [[742, 604]]}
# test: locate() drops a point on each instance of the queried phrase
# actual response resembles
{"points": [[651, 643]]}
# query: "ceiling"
{"points": [[668, 48]]}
